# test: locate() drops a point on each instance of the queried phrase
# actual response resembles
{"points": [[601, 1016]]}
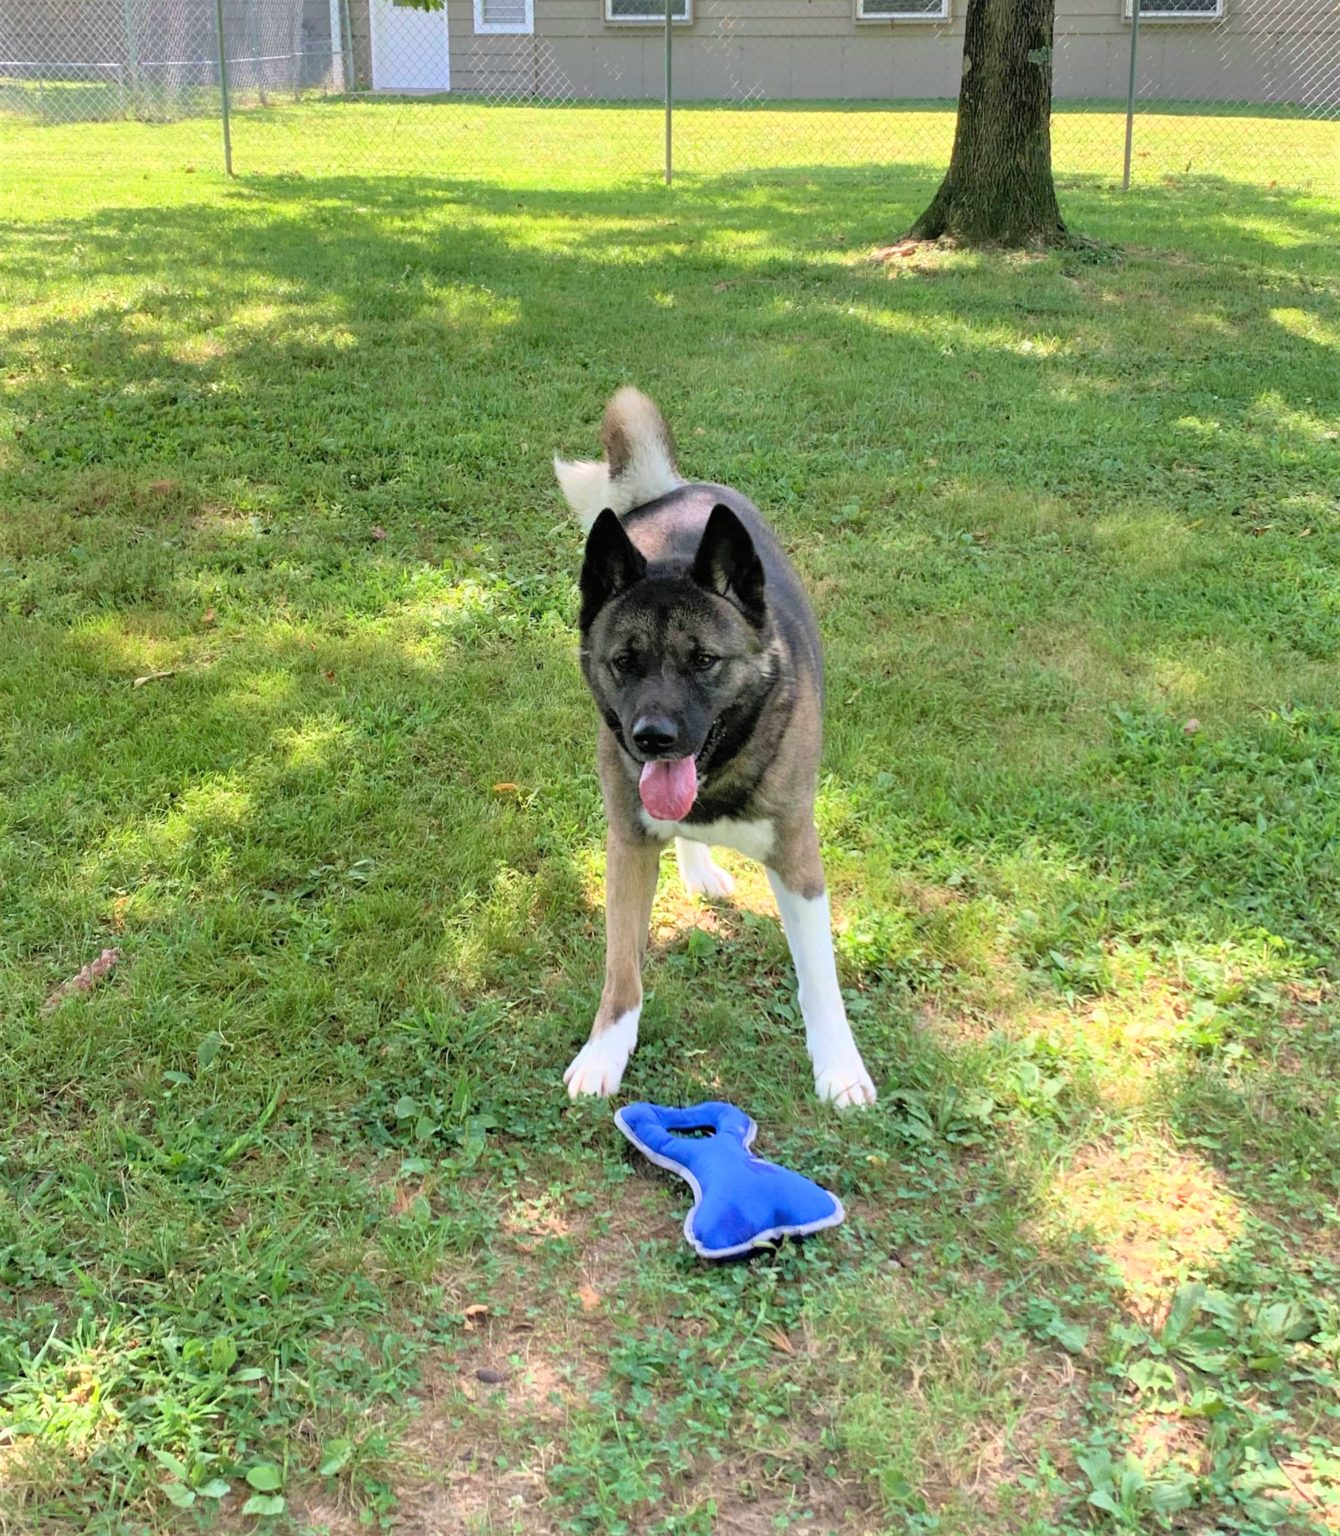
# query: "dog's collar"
{"points": [[710, 741]]}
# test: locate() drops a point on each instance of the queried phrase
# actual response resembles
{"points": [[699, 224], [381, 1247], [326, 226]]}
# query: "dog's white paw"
{"points": [[844, 1083], [598, 1068], [700, 872]]}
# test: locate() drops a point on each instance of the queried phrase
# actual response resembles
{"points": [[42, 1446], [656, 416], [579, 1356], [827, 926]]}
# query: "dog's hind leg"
{"points": [[840, 1076], [700, 872], [630, 886]]}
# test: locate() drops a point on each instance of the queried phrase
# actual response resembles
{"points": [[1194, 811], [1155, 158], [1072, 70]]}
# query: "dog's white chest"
{"points": [[754, 839]]}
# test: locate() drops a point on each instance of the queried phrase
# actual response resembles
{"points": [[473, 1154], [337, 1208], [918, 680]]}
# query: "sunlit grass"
{"points": [[293, 720], [600, 145], [1156, 1215]]}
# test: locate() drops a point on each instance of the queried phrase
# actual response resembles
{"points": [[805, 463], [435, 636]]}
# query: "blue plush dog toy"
{"points": [[740, 1202]]}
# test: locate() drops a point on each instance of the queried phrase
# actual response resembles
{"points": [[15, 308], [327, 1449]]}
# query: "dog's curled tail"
{"points": [[639, 462]]}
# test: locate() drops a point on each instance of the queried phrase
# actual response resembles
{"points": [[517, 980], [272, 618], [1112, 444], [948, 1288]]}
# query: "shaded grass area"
{"points": [[292, 718]]}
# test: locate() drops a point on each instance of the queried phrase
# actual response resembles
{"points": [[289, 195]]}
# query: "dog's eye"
{"points": [[703, 661], [621, 666]]}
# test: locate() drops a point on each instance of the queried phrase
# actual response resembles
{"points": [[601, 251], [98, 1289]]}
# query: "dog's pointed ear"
{"points": [[611, 565], [727, 563]]}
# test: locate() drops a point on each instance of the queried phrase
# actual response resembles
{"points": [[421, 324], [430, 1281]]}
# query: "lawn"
{"points": [[298, 1229], [596, 146]]}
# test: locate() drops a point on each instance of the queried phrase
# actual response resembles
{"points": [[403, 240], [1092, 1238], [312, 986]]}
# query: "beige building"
{"points": [[1267, 51], [1284, 51]]}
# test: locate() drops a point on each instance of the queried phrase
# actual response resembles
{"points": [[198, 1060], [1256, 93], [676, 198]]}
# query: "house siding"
{"points": [[734, 50], [778, 50]]}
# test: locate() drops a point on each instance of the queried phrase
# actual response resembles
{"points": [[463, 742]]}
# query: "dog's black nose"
{"points": [[656, 735]]}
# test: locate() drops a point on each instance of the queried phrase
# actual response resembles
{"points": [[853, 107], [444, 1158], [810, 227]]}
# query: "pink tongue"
{"points": [[668, 790]]}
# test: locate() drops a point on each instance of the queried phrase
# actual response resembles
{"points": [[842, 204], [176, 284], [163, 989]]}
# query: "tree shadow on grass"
{"points": [[293, 452], [405, 371], [389, 291]]}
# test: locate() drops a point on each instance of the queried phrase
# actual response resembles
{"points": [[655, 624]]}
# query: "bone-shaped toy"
{"points": [[740, 1201]]}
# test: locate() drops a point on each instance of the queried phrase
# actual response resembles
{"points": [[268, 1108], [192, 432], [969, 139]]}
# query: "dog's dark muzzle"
{"points": [[657, 736]]}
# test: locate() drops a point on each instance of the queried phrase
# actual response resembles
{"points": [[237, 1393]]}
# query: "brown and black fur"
{"points": [[691, 615], [762, 753]]}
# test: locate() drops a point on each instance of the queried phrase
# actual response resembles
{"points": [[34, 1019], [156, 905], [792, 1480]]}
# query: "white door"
{"points": [[409, 47]]}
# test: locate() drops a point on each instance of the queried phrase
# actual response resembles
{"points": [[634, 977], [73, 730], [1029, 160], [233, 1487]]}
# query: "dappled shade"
{"points": [[294, 722]]}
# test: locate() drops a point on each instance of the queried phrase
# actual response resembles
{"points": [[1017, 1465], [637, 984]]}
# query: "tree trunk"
{"points": [[998, 190]]}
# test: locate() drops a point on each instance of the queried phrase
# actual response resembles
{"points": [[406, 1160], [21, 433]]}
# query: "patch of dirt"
{"points": [[752, 1500], [1155, 1212], [676, 913], [676, 916], [492, 1407], [1048, 1393], [1307, 1496], [914, 258], [462, 1475], [925, 898], [492, 1412], [1163, 1440]]}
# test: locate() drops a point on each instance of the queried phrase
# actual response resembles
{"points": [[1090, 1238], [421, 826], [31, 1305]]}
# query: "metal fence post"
{"points": [[1130, 95], [669, 101], [223, 86]]}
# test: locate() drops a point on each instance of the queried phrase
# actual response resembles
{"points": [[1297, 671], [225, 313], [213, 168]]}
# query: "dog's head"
{"points": [[669, 656]]}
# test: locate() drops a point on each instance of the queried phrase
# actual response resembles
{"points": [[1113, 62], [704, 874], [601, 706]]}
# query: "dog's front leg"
{"points": [[631, 866], [798, 884]]}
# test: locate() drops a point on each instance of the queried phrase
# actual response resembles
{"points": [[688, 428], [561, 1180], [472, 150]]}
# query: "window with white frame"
{"points": [[504, 15], [902, 10], [1178, 10], [645, 11]]}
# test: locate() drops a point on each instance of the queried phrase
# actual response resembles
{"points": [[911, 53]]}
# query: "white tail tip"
{"points": [[639, 462]]}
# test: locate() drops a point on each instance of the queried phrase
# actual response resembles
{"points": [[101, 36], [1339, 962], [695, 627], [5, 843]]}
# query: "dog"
{"points": [[700, 649]]}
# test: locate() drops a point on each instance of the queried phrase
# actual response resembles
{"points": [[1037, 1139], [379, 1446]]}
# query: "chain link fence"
{"points": [[525, 90]]}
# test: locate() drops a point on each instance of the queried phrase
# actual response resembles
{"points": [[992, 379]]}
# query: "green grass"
{"points": [[292, 717], [596, 146]]}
